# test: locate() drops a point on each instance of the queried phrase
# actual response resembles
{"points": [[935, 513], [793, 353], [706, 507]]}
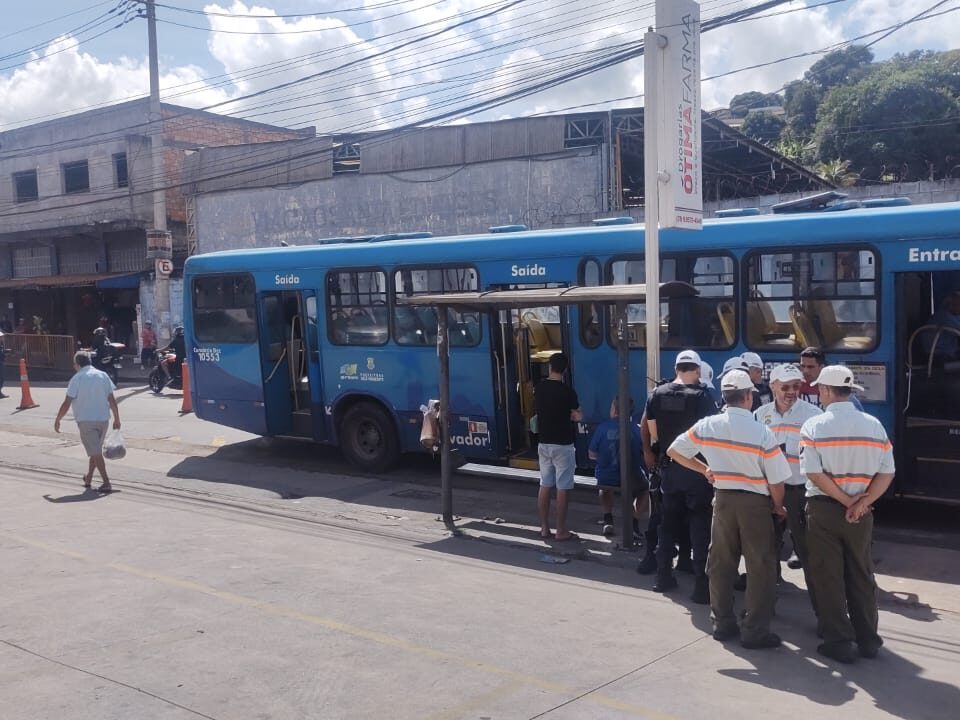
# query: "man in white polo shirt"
{"points": [[784, 417], [848, 461], [90, 393], [747, 470]]}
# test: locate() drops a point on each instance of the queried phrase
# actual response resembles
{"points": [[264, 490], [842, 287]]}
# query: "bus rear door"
{"points": [[290, 359]]}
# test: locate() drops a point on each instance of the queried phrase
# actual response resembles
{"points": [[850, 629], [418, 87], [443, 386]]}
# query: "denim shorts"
{"points": [[557, 465]]}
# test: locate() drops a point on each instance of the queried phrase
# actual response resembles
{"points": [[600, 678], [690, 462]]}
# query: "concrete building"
{"points": [[540, 172], [75, 203]]}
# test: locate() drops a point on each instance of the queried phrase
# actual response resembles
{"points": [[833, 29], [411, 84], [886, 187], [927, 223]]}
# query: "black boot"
{"points": [[648, 565], [665, 583], [701, 591]]}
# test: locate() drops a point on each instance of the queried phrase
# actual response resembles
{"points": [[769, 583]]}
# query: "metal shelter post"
{"points": [[446, 466], [653, 44], [623, 414]]}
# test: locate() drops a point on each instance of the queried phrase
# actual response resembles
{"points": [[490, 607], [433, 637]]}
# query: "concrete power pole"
{"points": [[159, 241]]}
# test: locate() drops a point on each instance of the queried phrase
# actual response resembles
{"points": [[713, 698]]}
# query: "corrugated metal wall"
{"points": [[462, 144]]}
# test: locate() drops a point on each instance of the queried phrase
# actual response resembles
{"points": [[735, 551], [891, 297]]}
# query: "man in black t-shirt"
{"points": [[557, 410]]}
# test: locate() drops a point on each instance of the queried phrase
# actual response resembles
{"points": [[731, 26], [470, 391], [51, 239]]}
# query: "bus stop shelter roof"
{"points": [[541, 297]]}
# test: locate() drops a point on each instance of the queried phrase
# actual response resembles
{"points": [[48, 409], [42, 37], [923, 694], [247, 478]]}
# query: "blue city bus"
{"points": [[311, 341]]}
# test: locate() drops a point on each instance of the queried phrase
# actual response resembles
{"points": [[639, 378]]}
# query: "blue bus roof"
{"points": [[856, 225]]}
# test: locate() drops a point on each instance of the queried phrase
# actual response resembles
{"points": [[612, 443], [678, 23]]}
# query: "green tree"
{"points": [[837, 172], [900, 120], [742, 104], [762, 126], [801, 100], [840, 67]]}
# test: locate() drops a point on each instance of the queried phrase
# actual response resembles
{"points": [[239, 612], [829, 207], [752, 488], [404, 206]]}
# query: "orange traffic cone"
{"points": [[26, 401], [187, 405]]}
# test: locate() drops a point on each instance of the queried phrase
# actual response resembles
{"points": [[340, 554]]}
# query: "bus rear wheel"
{"points": [[368, 437]]}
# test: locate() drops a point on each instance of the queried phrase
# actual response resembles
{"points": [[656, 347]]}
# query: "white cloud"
{"points": [[62, 80]]}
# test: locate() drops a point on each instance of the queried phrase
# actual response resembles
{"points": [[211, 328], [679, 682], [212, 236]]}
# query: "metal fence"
{"points": [[46, 351]]}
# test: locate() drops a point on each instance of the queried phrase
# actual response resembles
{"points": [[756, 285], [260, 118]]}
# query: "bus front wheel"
{"points": [[368, 437]]}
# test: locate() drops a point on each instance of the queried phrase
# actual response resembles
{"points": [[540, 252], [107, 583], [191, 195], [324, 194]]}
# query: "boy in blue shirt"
{"points": [[605, 450]]}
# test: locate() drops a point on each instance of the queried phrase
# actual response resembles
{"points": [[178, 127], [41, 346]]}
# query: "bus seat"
{"points": [[824, 319], [725, 313], [540, 346], [804, 329]]}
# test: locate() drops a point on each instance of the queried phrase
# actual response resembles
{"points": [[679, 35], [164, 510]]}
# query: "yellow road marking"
{"points": [[513, 677]]}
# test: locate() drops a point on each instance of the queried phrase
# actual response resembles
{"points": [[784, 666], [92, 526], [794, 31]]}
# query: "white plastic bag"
{"points": [[113, 448]]}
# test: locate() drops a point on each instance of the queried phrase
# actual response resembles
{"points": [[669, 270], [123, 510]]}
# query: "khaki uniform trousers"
{"points": [[742, 526], [841, 567]]}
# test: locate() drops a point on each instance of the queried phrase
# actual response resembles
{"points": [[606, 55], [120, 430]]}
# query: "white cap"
{"points": [[786, 373], [734, 363], [752, 360], [736, 380], [687, 356], [706, 374], [836, 376]]}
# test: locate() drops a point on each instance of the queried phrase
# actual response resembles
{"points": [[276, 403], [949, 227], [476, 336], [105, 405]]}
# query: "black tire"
{"points": [[368, 437], [156, 381]]}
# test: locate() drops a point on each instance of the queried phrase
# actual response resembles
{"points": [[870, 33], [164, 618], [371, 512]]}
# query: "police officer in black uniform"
{"points": [[673, 409]]}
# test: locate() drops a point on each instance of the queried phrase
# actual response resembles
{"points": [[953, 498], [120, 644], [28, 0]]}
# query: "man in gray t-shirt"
{"points": [[90, 392]]}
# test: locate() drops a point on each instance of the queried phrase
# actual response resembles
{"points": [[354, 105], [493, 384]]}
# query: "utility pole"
{"points": [[159, 240]]}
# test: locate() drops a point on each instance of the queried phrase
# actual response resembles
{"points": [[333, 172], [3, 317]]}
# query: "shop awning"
{"points": [[101, 280]]}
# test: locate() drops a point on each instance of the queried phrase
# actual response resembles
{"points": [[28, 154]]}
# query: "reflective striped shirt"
{"points": [[741, 452], [786, 429], [847, 445]]}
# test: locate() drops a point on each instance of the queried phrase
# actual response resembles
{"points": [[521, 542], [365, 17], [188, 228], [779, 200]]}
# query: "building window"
{"points": [[346, 158], [224, 310], [704, 319], [357, 307], [25, 186], [417, 324], [802, 299], [76, 177], [120, 169]]}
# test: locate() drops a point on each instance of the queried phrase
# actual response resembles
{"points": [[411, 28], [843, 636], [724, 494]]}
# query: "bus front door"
{"points": [[290, 360]]}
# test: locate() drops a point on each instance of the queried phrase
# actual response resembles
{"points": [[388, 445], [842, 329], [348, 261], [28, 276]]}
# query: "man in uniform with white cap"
{"points": [[848, 461], [747, 469], [784, 417], [754, 365], [672, 409]]}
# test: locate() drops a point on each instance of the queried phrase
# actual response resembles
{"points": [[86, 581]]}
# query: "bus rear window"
{"points": [[417, 325], [224, 309], [812, 299], [357, 307]]}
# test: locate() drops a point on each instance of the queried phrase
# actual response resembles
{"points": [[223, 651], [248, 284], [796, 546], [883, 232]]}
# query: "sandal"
{"points": [[105, 489], [545, 535]]}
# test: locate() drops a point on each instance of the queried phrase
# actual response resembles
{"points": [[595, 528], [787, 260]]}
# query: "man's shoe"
{"points": [[842, 651], [763, 642], [607, 530], [665, 584], [701, 591], [685, 564], [647, 566], [794, 562], [741, 582], [726, 632], [870, 648]]}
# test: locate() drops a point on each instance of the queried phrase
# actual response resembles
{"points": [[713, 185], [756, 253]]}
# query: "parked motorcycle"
{"points": [[108, 360], [158, 379]]}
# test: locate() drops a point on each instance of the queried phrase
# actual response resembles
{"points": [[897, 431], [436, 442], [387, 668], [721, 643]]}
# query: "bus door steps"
{"points": [[514, 473], [302, 423]]}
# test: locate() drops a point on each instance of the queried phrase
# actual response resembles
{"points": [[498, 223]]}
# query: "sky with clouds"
{"points": [[372, 64]]}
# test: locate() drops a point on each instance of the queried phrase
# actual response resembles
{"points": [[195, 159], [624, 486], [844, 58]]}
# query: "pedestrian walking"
{"points": [[558, 408], [148, 345], [747, 469], [672, 409], [90, 394], [784, 417], [848, 461]]}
